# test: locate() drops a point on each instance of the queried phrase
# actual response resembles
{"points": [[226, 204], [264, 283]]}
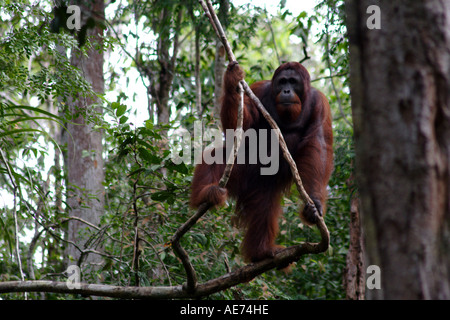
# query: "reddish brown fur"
{"points": [[289, 115], [306, 127]]}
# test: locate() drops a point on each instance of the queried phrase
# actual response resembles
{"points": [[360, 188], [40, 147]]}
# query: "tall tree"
{"points": [[220, 59], [84, 160], [169, 18], [400, 87]]}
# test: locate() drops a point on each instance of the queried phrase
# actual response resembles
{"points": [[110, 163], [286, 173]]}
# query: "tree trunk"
{"points": [[219, 70], [84, 149], [354, 273], [198, 81], [167, 63], [400, 88], [220, 60]]}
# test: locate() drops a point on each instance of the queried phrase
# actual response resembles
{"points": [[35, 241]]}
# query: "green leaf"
{"points": [[121, 110], [136, 171], [11, 132], [148, 156], [161, 195], [37, 110], [200, 238], [181, 168], [123, 119]]}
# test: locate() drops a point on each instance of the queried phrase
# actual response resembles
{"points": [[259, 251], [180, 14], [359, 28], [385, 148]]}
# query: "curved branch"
{"points": [[209, 11], [237, 139], [243, 86], [191, 282], [181, 253], [244, 274]]}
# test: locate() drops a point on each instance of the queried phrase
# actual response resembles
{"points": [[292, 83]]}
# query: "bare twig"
{"points": [[181, 253], [30, 253], [16, 226], [269, 24], [305, 52], [331, 76], [218, 28], [137, 247], [237, 140], [213, 24], [157, 253]]}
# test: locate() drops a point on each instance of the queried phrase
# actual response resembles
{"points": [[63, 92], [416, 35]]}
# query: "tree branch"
{"points": [[180, 252], [244, 274], [16, 226], [243, 86], [209, 10]]}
